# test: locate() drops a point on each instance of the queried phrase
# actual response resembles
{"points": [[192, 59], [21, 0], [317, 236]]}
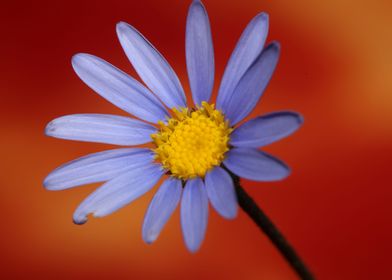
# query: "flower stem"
{"points": [[266, 226]]}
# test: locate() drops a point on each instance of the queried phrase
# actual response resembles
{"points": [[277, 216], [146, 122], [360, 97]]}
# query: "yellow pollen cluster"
{"points": [[192, 142]]}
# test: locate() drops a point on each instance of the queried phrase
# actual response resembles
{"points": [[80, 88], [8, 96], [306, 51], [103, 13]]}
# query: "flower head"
{"points": [[191, 147], [192, 142]]}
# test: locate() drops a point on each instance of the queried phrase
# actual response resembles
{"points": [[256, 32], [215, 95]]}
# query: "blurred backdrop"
{"points": [[335, 208]]}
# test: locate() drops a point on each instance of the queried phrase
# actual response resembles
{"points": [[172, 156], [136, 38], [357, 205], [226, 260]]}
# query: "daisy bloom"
{"points": [[193, 147]]}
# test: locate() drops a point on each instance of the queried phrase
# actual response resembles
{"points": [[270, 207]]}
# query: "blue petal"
{"points": [[252, 84], [97, 167], [118, 88], [265, 129], [118, 192], [101, 128], [221, 192], [199, 53], [194, 213], [255, 165], [152, 68], [161, 208], [246, 51]]}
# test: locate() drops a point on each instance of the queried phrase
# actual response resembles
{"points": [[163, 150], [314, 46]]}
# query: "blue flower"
{"points": [[191, 147]]}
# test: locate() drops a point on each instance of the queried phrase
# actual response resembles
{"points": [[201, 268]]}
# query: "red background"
{"points": [[335, 69]]}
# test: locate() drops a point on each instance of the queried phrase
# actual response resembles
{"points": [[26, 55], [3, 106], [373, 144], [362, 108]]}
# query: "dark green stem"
{"points": [[266, 226]]}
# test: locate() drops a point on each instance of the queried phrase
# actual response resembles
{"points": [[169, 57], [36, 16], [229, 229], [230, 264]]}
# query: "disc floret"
{"points": [[192, 142]]}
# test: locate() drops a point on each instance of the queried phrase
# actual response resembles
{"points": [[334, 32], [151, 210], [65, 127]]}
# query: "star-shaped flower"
{"points": [[191, 147]]}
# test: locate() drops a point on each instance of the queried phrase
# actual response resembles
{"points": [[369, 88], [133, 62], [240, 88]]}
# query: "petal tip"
{"points": [[148, 242], [79, 220], [74, 59], [79, 217], [121, 24], [300, 119], [122, 27], [77, 58], [80, 61], [286, 173], [232, 215], [149, 238], [50, 128], [48, 184], [197, 2], [275, 45], [193, 248], [263, 16]]}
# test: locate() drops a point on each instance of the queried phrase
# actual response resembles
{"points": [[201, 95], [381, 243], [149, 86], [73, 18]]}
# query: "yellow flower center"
{"points": [[192, 142]]}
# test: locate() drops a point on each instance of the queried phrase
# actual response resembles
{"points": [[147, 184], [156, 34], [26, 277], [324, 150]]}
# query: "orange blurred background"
{"points": [[335, 209]]}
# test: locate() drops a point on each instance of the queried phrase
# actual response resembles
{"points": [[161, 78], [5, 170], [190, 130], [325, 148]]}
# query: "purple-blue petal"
{"points": [[248, 48], [151, 66], [199, 53], [194, 213], [101, 128], [252, 85], [162, 206], [221, 192], [97, 167], [118, 192], [266, 129], [255, 165], [118, 88]]}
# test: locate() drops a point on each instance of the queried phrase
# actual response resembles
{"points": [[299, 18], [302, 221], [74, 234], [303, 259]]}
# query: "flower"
{"points": [[192, 147]]}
